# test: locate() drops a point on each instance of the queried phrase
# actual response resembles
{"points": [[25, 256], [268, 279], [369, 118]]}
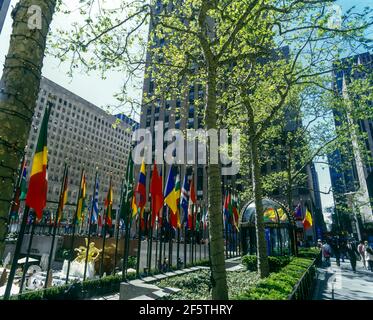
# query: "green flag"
{"points": [[127, 189]]}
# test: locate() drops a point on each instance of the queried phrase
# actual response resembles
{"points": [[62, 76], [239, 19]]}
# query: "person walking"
{"points": [[369, 255], [326, 252], [352, 254], [361, 250]]}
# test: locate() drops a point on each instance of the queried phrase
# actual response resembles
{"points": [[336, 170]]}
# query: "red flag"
{"points": [[156, 190], [192, 201]]}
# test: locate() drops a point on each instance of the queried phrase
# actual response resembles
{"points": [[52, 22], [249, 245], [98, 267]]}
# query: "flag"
{"points": [[141, 187], [18, 193], [141, 191], [109, 205], [81, 200], [23, 187], [298, 212], [63, 197], [236, 215], [38, 186], [205, 218], [128, 187], [192, 201], [156, 190], [307, 221], [227, 207], [171, 197], [99, 220], [178, 194], [95, 212], [185, 199]]}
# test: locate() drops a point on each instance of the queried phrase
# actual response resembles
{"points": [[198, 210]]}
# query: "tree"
{"points": [[19, 90], [220, 45]]}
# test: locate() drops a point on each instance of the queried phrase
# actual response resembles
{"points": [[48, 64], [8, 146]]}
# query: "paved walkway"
{"points": [[232, 264], [341, 283]]}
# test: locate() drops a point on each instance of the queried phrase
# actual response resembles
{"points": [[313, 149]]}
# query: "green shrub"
{"points": [[132, 262], [278, 286], [275, 263]]}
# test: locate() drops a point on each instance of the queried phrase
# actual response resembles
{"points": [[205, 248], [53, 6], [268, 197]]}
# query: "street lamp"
{"points": [[350, 196]]}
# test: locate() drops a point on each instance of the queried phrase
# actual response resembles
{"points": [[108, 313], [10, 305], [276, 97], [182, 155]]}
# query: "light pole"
{"points": [[350, 196]]}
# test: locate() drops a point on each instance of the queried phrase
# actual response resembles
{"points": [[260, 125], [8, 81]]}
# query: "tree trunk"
{"points": [[218, 272], [261, 244], [19, 90]]}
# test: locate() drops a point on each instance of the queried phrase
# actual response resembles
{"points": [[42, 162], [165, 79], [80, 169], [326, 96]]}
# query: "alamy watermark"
{"points": [[188, 147], [35, 21]]}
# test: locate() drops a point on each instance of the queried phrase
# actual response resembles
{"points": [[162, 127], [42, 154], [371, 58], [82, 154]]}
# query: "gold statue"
{"points": [[93, 253]]}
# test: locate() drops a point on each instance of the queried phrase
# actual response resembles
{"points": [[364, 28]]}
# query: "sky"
{"points": [[101, 92]]}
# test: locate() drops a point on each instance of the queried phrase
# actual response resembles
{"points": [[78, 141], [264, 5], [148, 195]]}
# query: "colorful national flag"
{"points": [[156, 190], [95, 212], [81, 200], [141, 192], [38, 187], [109, 205], [128, 188], [228, 208], [307, 221], [236, 215], [298, 212], [192, 202], [171, 197], [18, 193], [185, 200], [178, 194], [23, 186], [63, 196]]}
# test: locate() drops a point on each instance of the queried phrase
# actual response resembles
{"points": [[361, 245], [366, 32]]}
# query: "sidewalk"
{"points": [[341, 283]]}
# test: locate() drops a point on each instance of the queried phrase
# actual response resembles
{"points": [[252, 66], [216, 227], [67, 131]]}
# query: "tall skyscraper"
{"points": [[4, 6], [351, 169], [83, 136]]}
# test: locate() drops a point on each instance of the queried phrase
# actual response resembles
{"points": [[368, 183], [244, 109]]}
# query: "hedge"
{"points": [[278, 286], [275, 263], [84, 290]]}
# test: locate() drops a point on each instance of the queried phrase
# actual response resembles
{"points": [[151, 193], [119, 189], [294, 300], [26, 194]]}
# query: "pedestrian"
{"points": [[336, 250], [319, 244], [369, 255], [361, 250], [343, 248], [352, 254], [326, 252]]}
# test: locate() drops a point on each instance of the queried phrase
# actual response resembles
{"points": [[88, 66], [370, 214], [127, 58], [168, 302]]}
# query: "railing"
{"points": [[303, 290]]}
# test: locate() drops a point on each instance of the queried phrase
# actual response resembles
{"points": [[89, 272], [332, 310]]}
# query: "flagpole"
{"points": [[28, 254], [90, 226], [103, 232], [117, 220], [151, 241], [140, 213], [62, 194], [17, 187], [160, 225], [73, 231]]}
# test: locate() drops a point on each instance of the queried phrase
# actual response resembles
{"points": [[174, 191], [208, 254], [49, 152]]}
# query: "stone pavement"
{"points": [[341, 283]]}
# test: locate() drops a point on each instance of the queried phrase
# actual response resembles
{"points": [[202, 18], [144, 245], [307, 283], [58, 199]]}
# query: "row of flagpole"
{"points": [[167, 204]]}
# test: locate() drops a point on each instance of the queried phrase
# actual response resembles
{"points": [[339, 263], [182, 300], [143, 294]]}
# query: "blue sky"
{"points": [[100, 92]]}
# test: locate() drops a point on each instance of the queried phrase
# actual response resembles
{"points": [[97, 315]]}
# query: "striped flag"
{"points": [[63, 196], [95, 204], [185, 200], [109, 205], [38, 187]]}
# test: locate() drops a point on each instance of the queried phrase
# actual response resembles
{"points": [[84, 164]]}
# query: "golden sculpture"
{"points": [[93, 253]]}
